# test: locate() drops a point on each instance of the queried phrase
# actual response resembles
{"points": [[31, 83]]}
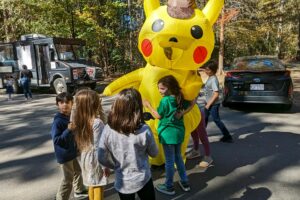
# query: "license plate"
{"points": [[257, 86]]}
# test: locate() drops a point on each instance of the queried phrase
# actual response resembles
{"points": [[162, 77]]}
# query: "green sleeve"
{"points": [[162, 107]]}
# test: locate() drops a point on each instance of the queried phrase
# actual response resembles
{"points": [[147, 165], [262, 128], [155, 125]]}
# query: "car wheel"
{"points": [[59, 85], [225, 104], [93, 86]]}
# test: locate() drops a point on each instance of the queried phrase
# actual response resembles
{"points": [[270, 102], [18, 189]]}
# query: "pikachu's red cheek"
{"points": [[146, 47], [200, 54]]}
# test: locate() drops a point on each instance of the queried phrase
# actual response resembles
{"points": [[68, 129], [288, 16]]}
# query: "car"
{"points": [[258, 79]]}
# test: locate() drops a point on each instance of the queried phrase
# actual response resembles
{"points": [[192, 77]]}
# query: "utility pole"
{"points": [[221, 50], [225, 18]]}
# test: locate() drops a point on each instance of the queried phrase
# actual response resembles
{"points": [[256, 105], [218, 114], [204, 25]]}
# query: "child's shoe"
{"points": [[226, 139], [206, 162], [184, 186], [84, 193], [164, 189]]}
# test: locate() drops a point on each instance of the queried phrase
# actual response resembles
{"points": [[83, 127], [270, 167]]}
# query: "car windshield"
{"points": [[69, 52], [257, 64]]}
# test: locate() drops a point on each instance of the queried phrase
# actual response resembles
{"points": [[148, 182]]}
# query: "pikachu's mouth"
{"points": [[172, 53]]}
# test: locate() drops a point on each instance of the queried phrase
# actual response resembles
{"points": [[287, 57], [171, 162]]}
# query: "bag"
{"points": [[24, 81]]}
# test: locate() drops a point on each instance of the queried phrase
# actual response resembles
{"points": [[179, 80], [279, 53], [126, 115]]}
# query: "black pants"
{"points": [[146, 193]]}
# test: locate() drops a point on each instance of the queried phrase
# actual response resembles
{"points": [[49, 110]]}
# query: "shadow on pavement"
{"points": [[270, 151]]}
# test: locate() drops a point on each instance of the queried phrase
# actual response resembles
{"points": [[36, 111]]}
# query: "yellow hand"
{"points": [[133, 79]]}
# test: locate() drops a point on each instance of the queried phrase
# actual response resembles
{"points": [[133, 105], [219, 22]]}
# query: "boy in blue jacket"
{"points": [[65, 150]]}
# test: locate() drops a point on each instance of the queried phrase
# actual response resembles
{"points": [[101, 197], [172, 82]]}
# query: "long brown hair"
{"points": [[173, 88], [126, 115], [87, 108]]}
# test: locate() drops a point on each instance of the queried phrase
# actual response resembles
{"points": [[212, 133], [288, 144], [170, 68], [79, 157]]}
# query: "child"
{"points": [[9, 87], [88, 126], [213, 101], [65, 150], [200, 133], [171, 131], [125, 145]]}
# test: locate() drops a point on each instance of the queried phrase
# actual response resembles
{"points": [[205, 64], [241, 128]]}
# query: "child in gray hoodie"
{"points": [[125, 145]]}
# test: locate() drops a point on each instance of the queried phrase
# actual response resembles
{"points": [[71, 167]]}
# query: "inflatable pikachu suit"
{"points": [[176, 39]]}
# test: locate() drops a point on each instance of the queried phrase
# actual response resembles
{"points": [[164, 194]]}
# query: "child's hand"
{"points": [[179, 114], [146, 103], [71, 126], [106, 172]]}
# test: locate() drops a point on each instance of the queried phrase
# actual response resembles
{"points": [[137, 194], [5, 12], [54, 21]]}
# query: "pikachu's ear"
{"points": [[150, 5], [212, 10]]}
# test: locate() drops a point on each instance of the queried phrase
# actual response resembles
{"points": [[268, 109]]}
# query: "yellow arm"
{"points": [[132, 79]]}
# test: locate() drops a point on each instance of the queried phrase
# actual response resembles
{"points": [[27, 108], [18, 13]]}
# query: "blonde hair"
{"points": [[87, 108]]}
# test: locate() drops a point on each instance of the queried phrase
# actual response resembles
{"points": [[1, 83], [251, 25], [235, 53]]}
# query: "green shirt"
{"points": [[170, 129]]}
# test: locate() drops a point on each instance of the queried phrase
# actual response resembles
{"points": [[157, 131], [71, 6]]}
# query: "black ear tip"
{"points": [[147, 116]]}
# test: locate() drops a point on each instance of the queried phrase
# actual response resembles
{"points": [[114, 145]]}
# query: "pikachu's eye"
{"points": [[158, 25], [197, 32]]}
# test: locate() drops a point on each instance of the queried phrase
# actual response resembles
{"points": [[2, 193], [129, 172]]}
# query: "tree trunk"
{"points": [[279, 30], [5, 20], [298, 51]]}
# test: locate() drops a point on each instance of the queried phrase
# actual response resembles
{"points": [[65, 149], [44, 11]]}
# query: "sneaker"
{"points": [[193, 154], [206, 162], [227, 139], [184, 186], [163, 189], [81, 194]]}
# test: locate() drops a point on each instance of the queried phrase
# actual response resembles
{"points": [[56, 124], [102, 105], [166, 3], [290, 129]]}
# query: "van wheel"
{"points": [[60, 85], [287, 107]]}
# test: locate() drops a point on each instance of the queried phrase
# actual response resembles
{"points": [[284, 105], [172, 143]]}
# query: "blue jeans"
{"points": [[173, 155], [214, 112], [26, 88]]}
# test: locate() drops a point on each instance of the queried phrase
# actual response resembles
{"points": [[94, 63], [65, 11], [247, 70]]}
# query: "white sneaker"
{"points": [[81, 194], [193, 154], [206, 162]]}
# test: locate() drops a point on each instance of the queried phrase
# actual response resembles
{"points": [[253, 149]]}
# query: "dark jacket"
{"points": [[63, 140]]}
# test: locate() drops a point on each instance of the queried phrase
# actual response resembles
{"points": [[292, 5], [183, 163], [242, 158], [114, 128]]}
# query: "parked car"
{"points": [[258, 79]]}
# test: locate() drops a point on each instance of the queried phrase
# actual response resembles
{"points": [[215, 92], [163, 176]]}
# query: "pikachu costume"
{"points": [[176, 39]]}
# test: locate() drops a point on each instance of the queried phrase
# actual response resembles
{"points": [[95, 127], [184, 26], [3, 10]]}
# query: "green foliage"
{"points": [[111, 27], [254, 31]]}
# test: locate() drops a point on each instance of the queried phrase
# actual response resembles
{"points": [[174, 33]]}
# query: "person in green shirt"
{"points": [[171, 130]]}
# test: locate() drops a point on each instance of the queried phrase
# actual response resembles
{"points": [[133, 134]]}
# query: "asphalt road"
{"points": [[262, 163]]}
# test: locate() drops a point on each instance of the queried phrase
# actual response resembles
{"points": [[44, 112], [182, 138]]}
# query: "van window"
{"points": [[6, 53], [69, 52]]}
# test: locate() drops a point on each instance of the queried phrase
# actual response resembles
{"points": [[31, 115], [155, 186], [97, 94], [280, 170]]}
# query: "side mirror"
{"points": [[52, 55]]}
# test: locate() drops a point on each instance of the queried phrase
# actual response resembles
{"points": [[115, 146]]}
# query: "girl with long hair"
{"points": [[87, 123], [171, 130], [125, 145]]}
